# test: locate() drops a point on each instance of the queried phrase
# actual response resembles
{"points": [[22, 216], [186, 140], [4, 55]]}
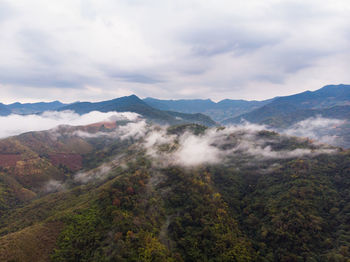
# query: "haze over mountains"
{"points": [[128, 190], [329, 101], [218, 111], [226, 111], [283, 114], [29, 108]]}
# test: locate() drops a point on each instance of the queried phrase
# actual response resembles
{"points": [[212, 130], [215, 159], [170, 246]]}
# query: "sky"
{"points": [[91, 50]]}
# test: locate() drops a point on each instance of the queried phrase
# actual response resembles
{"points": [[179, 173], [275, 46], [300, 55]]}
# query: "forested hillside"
{"points": [[131, 191]]}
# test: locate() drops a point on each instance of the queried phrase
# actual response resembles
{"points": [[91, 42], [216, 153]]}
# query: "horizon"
{"points": [[142, 98], [92, 51]]}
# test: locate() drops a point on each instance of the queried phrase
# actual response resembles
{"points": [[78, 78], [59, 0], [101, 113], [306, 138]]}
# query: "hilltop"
{"points": [[133, 191]]}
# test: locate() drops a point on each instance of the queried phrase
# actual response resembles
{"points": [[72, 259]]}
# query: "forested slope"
{"points": [[153, 195]]}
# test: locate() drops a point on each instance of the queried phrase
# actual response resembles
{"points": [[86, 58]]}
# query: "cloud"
{"points": [[239, 145], [6, 11], [196, 150], [133, 130], [54, 186], [318, 128], [16, 124], [224, 145], [92, 175], [226, 49]]}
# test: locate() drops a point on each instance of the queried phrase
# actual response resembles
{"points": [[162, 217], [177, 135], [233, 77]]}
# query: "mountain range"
{"points": [[218, 111], [29, 108], [123, 104], [134, 104], [279, 113], [181, 193], [138, 190], [329, 101]]}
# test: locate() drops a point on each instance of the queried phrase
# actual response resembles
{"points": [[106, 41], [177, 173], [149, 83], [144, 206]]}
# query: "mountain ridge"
{"points": [[134, 104], [216, 110], [323, 98]]}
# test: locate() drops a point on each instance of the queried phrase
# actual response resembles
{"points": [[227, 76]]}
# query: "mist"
{"points": [[214, 145], [17, 124], [220, 145], [323, 130], [99, 173]]}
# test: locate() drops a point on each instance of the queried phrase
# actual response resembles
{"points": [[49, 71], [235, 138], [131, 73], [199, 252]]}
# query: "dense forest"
{"points": [[265, 197]]}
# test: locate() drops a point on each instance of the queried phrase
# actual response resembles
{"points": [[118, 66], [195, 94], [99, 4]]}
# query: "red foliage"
{"points": [[9, 160], [130, 190], [73, 161], [116, 202]]}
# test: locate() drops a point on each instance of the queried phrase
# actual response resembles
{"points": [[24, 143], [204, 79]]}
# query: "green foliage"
{"points": [[243, 210], [193, 128], [80, 238], [202, 227]]}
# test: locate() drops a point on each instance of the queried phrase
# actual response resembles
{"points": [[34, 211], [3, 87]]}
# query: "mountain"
{"points": [[181, 193], [134, 104], [306, 112], [34, 108], [4, 110], [218, 111], [29, 108], [300, 106]]}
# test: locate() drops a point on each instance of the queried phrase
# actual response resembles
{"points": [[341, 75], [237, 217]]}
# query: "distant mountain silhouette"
{"points": [[332, 101], [329, 101], [134, 104], [218, 111], [29, 108], [4, 110], [33, 108]]}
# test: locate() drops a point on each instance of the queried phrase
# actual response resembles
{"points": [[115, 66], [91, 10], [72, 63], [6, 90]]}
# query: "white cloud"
{"points": [[99, 173], [54, 186], [220, 145], [196, 150], [16, 124], [318, 128]]}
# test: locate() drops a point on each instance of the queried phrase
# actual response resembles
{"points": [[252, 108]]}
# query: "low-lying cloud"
{"points": [[240, 145], [98, 173], [219, 145], [318, 128], [16, 124], [54, 186], [195, 150], [214, 145]]}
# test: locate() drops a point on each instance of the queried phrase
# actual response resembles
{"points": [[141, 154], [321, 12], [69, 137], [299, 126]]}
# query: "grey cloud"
{"points": [[37, 77], [190, 49], [142, 77], [219, 40], [38, 45], [138, 78], [6, 11]]}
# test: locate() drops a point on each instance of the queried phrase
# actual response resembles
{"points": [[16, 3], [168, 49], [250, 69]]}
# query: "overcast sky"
{"points": [[100, 49]]}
